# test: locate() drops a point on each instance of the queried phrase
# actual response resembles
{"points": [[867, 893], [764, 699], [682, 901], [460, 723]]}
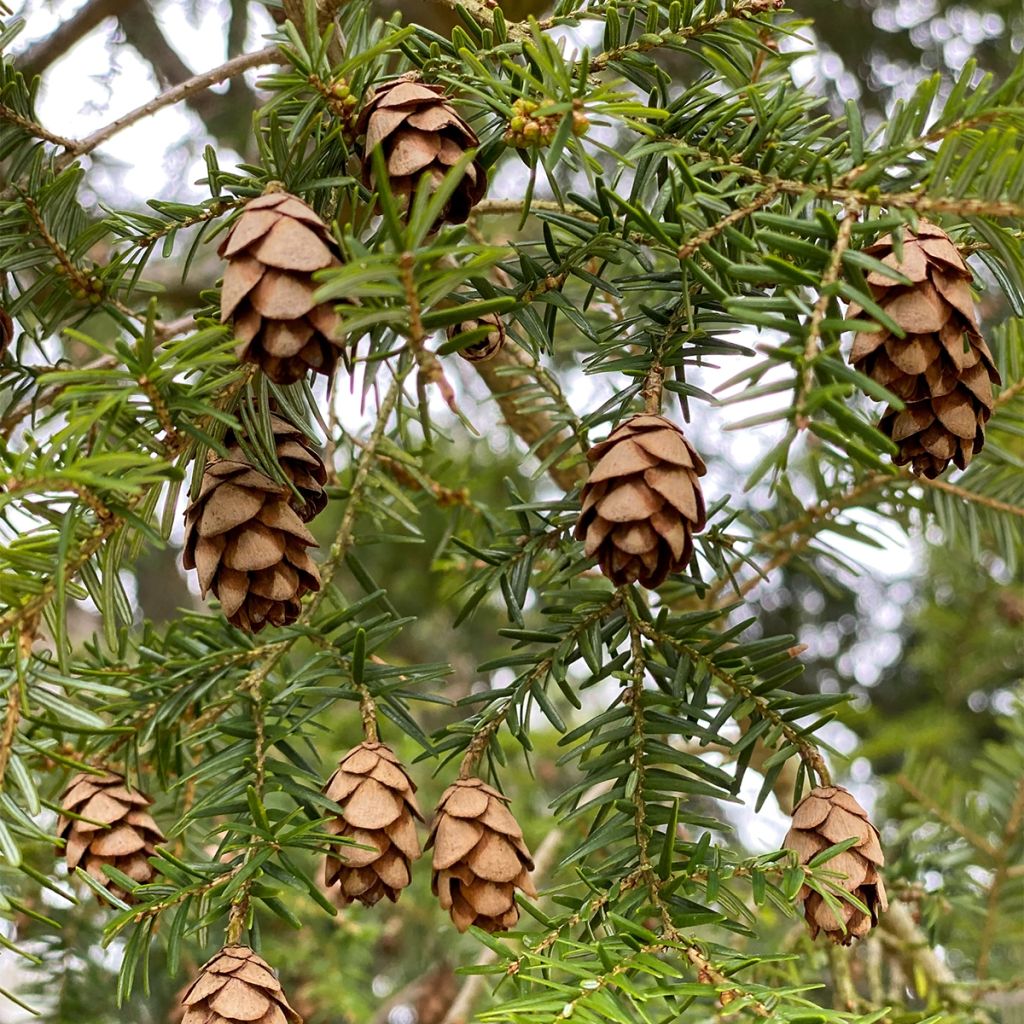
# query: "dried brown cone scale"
{"points": [[826, 816], [488, 346], [299, 461], [480, 859], [105, 821], [249, 546], [421, 133], [378, 811], [942, 370], [642, 503], [273, 250], [237, 987]]}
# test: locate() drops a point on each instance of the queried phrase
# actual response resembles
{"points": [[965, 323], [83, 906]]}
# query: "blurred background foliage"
{"points": [[930, 653]]}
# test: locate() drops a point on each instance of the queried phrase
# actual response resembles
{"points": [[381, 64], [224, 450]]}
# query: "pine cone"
{"points": [[237, 987], [942, 369], [487, 347], [643, 502], [249, 546], [826, 816], [115, 829], [480, 858], [422, 133], [272, 251], [6, 331], [299, 461], [378, 806]]}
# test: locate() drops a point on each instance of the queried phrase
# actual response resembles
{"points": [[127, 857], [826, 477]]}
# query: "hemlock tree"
{"points": [[417, 374]]}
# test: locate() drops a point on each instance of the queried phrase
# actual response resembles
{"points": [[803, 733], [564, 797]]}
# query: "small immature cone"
{"points": [[480, 858], [378, 805], [273, 250], [237, 987], [826, 816], [489, 346], [642, 503], [299, 461], [421, 134], [115, 829], [249, 546], [942, 369]]}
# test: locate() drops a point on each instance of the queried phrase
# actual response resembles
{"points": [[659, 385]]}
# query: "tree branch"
{"points": [[39, 56], [236, 66], [511, 374]]}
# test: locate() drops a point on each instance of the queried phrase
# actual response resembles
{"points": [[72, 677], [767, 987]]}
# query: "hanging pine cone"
{"points": [[421, 133], [942, 369], [273, 250], [249, 546], [237, 987], [6, 331], [487, 347], [826, 816], [480, 858], [299, 461], [110, 825], [378, 806], [642, 503]]}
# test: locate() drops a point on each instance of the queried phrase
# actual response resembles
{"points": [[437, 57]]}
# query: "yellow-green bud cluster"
{"points": [[528, 130]]}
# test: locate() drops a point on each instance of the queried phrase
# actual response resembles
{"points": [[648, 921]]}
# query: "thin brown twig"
{"points": [[509, 375], [980, 843], [1008, 393], [826, 293], [34, 128], [711, 232], [368, 713], [743, 10], [89, 16], [808, 752], [482, 737], [229, 69], [972, 496], [1014, 820]]}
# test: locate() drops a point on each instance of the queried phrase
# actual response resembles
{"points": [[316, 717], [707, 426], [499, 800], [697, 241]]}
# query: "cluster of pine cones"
{"points": [[246, 536], [480, 861]]}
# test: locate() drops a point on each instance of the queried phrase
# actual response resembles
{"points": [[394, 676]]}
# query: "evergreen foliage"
{"points": [[677, 241]]}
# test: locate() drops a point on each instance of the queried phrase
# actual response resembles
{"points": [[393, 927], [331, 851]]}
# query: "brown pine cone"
{"points": [[378, 806], [642, 503], [299, 461], [942, 369], [249, 546], [480, 858], [111, 826], [421, 133], [272, 250], [237, 987], [826, 816], [487, 347]]}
